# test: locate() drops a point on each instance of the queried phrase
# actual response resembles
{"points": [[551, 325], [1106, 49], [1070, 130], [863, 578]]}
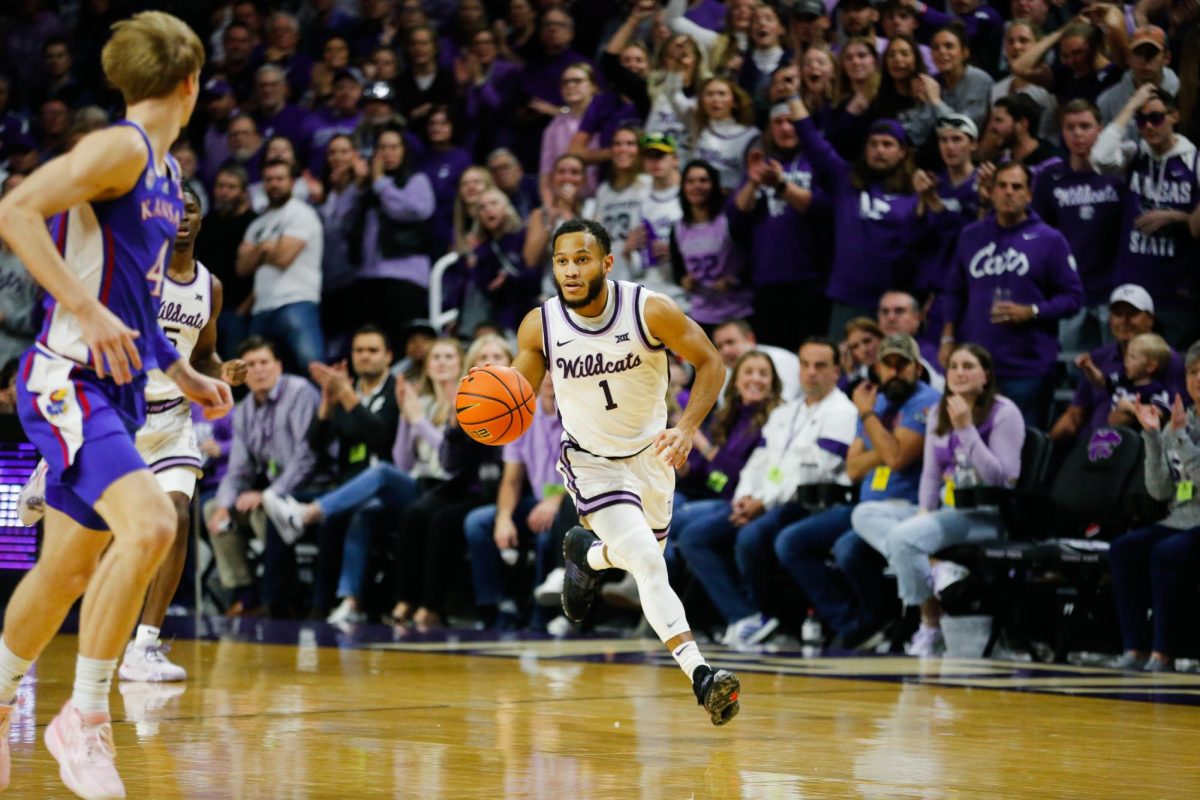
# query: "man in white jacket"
{"points": [[804, 442], [1157, 250]]}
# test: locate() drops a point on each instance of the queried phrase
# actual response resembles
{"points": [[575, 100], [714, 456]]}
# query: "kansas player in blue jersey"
{"points": [[114, 203]]}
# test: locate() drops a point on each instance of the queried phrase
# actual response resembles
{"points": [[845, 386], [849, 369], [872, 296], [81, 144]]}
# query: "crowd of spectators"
{"points": [[905, 225]]}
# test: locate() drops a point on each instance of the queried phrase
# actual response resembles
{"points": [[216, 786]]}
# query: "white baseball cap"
{"points": [[1133, 294]]}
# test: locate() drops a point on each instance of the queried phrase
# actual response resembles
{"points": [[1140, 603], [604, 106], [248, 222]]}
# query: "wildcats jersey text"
{"points": [[610, 377], [185, 310]]}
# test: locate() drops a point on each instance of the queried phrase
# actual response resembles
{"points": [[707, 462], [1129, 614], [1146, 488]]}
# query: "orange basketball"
{"points": [[494, 404]]}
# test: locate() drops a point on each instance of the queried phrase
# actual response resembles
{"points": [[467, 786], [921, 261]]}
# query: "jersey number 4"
{"points": [[157, 273], [610, 404]]}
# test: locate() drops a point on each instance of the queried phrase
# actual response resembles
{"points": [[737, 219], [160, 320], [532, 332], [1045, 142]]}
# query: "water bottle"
{"points": [[965, 476], [810, 631]]}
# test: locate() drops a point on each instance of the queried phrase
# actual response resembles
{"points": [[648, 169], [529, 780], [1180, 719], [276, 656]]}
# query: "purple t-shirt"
{"points": [[538, 451], [875, 231], [444, 168], [320, 128], [605, 114], [291, 122], [540, 78], [710, 255], [1086, 208], [1098, 401], [1033, 263], [721, 473], [708, 14], [784, 245]]}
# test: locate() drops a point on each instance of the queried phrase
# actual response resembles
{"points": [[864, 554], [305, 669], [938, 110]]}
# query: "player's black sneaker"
{"points": [[717, 692], [581, 583]]}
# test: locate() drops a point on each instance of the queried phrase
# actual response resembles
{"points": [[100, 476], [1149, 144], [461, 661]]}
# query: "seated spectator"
{"points": [[735, 338], [444, 163], [1130, 314], [280, 148], [858, 353], [379, 114], [1019, 37], [722, 125], [359, 414], [900, 313], [391, 231], [1013, 279], [530, 494], [973, 431], [57, 79], [8, 386], [1082, 69], [875, 222], [282, 249], [335, 55], [1157, 249], [220, 108], [886, 458], [270, 450], [769, 212], [1156, 568], [245, 147], [1147, 362], [1086, 208], [54, 122], [20, 295], [707, 262], [416, 340], [428, 544], [804, 442]]}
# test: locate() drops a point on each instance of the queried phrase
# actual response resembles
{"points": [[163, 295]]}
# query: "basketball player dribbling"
{"points": [[605, 344], [114, 203]]}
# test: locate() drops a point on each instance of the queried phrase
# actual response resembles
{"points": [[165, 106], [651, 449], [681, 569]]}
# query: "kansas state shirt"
{"points": [[1033, 262]]}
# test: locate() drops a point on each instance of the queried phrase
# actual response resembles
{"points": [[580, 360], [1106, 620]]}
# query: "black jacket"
{"points": [[367, 430]]}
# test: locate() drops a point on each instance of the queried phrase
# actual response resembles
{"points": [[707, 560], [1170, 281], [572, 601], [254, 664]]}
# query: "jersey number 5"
{"points": [[157, 272], [610, 403]]}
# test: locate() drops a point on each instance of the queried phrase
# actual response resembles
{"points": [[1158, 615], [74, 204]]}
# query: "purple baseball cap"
{"points": [[890, 127]]}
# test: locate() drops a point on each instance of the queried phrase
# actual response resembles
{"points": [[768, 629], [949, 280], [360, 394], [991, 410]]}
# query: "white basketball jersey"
{"points": [[618, 212], [610, 375], [185, 310]]}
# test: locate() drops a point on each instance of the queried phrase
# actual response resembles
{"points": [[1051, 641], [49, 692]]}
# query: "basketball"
{"points": [[494, 405]]}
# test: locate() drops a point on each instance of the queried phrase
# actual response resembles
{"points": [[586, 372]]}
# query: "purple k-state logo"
{"points": [[1102, 445]]}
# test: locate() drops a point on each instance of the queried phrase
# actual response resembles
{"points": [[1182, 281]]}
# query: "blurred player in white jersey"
{"points": [[605, 344]]}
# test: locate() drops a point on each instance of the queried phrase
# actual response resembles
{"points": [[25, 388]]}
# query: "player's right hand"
{"points": [[110, 341]]}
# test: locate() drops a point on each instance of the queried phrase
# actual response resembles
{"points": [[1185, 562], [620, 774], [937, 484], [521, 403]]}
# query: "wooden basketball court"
{"points": [[326, 714]]}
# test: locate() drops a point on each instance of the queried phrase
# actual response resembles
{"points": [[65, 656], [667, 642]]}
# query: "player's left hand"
{"points": [[234, 372], [210, 394], [672, 446]]}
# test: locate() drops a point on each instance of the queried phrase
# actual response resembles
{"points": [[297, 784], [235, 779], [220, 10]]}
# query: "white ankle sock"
{"points": [[12, 670], [93, 682], [147, 635], [688, 657]]}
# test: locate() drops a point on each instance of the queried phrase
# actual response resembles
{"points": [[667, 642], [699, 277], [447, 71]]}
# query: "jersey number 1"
{"points": [[611, 404]]}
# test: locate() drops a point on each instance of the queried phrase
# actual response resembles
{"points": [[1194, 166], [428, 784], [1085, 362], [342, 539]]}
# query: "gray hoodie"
{"points": [[1113, 99]]}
